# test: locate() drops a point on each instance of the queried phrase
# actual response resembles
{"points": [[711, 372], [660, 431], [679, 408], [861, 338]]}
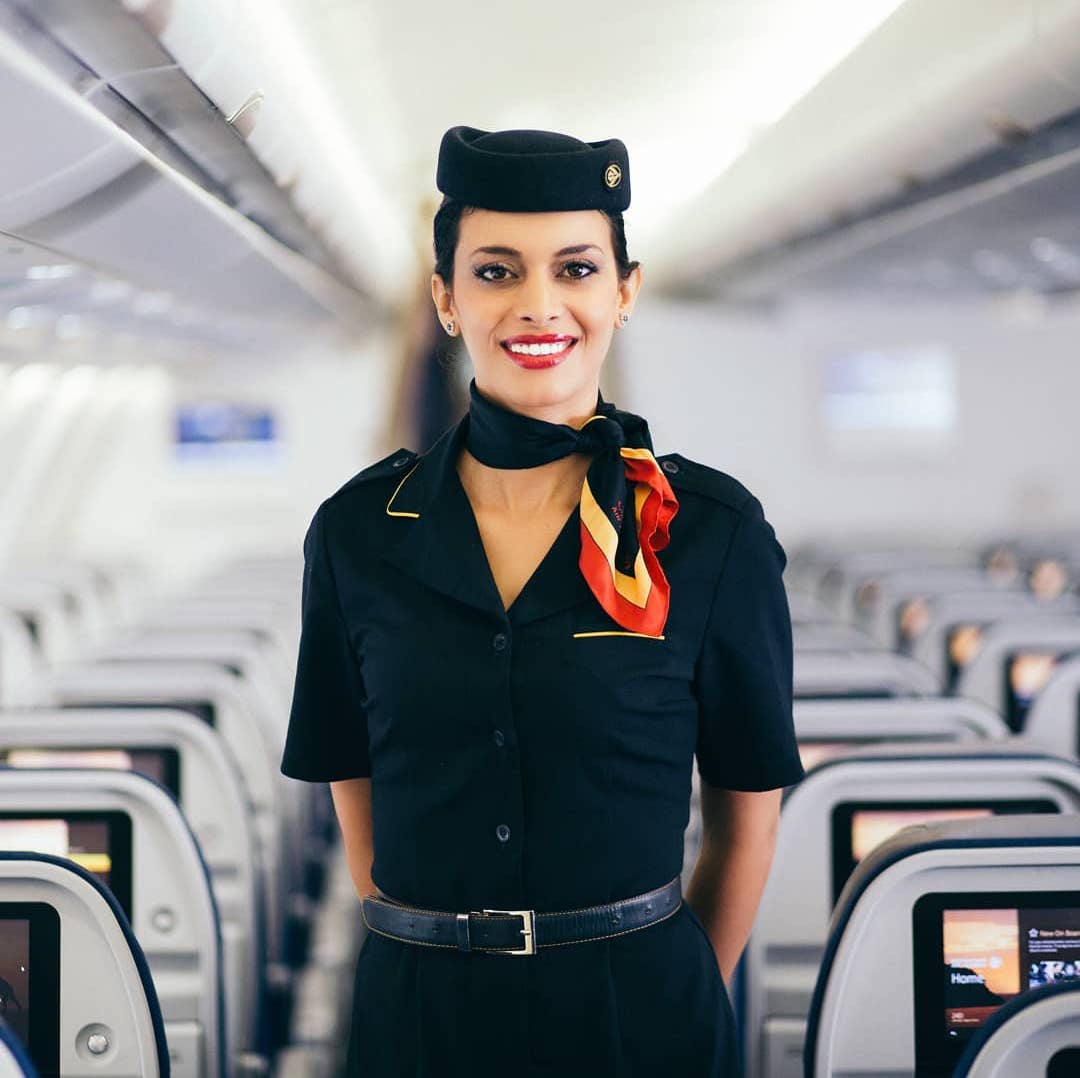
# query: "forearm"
{"points": [[352, 803], [725, 890]]}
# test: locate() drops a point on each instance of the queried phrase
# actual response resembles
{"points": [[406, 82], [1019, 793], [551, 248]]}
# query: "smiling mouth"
{"points": [[533, 357]]}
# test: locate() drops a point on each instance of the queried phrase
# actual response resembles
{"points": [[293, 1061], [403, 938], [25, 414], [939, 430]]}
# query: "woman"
{"points": [[514, 644]]}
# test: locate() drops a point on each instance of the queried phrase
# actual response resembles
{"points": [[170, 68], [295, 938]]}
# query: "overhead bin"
{"points": [[117, 210], [935, 87]]}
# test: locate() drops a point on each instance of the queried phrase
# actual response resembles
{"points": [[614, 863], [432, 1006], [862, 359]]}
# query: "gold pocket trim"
{"points": [[616, 632]]}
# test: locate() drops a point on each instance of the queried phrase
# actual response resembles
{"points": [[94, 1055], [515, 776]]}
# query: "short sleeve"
{"points": [[744, 675], [327, 738]]}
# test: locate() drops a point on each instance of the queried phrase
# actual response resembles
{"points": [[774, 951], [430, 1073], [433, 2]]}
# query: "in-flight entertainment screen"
{"points": [[99, 842], [1026, 675], [857, 827], [160, 764], [976, 951], [30, 980]]}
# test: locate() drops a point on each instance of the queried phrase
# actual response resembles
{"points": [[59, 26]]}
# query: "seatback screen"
{"points": [[160, 764], [976, 951], [30, 980], [99, 842], [860, 826], [1026, 675]]}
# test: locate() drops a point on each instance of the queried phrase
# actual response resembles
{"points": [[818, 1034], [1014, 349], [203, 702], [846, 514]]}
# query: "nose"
{"points": [[537, 301]]}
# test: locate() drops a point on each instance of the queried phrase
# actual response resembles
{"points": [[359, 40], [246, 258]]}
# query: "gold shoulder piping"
{"points": [[401, 513]]}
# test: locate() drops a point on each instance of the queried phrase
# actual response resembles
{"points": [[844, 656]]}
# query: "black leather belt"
{"points": [[501, 931]]}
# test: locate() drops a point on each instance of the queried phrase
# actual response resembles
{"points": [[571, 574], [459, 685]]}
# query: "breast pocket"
{"points": [[596, 643]]}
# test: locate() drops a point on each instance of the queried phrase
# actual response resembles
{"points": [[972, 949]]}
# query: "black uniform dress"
{"points": [[536, 758]]}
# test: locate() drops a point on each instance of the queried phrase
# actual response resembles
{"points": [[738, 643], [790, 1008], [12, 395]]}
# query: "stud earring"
{"points": [[624, 318], [450, 326]]}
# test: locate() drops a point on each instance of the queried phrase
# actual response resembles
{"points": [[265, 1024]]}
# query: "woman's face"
{"points": [[525, 277]]}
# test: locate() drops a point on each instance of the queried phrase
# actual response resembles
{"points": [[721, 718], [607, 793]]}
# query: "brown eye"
{"points": [[481, 271], [583, 265]]}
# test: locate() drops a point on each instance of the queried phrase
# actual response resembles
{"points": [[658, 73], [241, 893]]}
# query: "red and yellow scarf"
{"points": [[626, 504]]}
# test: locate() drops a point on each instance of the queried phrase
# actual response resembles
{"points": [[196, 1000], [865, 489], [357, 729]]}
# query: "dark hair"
{"points": [[448, 223]]}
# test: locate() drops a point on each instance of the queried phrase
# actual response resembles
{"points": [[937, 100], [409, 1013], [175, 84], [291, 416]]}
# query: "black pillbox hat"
{"points": [[524, 170]]}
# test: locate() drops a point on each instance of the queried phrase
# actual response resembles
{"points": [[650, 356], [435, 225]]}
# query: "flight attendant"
{"points": [[513, 647]]}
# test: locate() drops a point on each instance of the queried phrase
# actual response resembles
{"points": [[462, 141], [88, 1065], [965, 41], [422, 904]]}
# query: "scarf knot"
{"points": [[626, 502]]}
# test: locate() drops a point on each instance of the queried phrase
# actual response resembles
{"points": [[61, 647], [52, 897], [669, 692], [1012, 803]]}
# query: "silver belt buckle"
{"points": [[528, 918]]}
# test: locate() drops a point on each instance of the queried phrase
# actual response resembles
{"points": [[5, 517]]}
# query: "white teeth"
{"points": [[540, 349]]}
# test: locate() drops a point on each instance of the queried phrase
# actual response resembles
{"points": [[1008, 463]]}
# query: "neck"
{"points": [[555, 486]]}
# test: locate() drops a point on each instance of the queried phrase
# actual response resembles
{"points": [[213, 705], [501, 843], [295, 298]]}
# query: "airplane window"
{"points": [[879, 401], [226, 436]]}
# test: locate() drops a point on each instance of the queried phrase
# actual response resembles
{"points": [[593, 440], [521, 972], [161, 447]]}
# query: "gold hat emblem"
{"points": [[613, 175]]}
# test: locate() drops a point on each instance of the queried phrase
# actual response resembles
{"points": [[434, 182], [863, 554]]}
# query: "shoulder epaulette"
{"points": [[395, 463], [689, 474]]}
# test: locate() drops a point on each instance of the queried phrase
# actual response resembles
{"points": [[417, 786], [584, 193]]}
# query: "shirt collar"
{"points": [[441, 545]]}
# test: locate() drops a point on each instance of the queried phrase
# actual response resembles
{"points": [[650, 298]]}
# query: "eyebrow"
{"points": [[514, 253]]}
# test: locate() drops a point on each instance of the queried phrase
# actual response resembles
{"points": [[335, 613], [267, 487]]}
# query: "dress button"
{"points": [[400, 462], [498, 641], [502, 832], [670, 466], [499, 739]]}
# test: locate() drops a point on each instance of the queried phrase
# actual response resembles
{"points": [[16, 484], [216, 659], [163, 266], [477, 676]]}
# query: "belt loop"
{"points": [[463, 932]]}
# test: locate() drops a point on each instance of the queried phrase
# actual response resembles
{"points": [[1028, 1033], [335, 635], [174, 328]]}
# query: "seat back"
{"points": [[1053, 720], [1037, 1033], [955, 622], [842, 674], [933, 931], [827, 727], [208, 688], [840, 811], [1015, 656], [96, 1007], [133, 835], [181, 751]]}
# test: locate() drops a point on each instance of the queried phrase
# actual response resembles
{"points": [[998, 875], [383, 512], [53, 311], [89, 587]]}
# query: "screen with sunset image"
{"points": [[976, 951], [982, 960], [860, 827]]}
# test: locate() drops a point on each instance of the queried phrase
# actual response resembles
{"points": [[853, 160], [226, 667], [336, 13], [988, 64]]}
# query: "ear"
{"points": [[628, 290], [442, 298]]}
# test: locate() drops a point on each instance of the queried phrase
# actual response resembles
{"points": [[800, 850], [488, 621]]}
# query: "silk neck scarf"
{"points": [[618, 547]]}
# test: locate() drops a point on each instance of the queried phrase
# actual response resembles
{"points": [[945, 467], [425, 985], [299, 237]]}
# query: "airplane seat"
{"points": [[825, 728], [212, 692], [1015, 660], [863, 674], [107, 1023], [950, 631], [1053, 720], [184, 755], [131, 833], [843, 809], [14, 1060], [1037, 1033], [934, 930]]}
